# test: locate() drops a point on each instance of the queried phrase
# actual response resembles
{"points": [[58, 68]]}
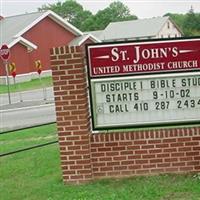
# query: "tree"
{"points": [[191, 23], [70, 10], [116, 11], [84, 20], [89, 24]]}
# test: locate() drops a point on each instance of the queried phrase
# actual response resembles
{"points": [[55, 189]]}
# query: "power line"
{"points": [[24, 128], [28, 148]]}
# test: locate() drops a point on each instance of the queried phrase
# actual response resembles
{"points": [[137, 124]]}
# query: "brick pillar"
{"points": [[73, 123]]}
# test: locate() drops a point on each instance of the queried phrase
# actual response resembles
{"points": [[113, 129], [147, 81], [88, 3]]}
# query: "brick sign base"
{"points": [[86, 155]]}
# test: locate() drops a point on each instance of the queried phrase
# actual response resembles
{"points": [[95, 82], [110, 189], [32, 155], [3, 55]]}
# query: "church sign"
{"points": [[144, 83]]}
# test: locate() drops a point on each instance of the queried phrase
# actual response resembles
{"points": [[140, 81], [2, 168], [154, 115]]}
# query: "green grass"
{"points": [[27, 137], [29, 85], [36, 175]]}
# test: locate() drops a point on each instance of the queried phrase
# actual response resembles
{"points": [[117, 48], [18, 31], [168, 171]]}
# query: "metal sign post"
{"points": [[12, 68], [43, 88], [38, 66], [8, 81], [17, 89], [5, 55]]}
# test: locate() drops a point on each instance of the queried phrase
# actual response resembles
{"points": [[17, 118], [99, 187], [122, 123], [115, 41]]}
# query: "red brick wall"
{"points": [[145, 152], [70, 90], [86, 155]]}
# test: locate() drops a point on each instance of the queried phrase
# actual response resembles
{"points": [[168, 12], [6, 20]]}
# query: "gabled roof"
{"points": [[23, 41], [134, 28], [96, 34], [11, 28], [141, 28], [78, 41]]}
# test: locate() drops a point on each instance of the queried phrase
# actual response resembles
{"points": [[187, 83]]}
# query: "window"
{"points": [[168, 35], [168, 25]]}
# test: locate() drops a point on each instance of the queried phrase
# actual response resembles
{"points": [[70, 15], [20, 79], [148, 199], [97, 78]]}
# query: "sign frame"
{"points": [[91, 100]]}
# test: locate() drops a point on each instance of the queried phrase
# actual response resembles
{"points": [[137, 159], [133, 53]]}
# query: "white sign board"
{"points": [[144, 83], [146, 100]]}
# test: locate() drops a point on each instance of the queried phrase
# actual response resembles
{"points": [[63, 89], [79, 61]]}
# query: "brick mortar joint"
{"points": [[111, 137], [152, 131], [66, 50]]}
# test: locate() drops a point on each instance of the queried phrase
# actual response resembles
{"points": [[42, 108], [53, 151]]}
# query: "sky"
{"points": [[140, 8]]}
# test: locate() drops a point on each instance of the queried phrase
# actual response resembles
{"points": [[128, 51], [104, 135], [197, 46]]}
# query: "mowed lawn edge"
{"points": [[28, 85]]}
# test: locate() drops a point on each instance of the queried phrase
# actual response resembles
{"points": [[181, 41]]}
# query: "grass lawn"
{"points": [[29, 85], [36, 175], [28, 137]]}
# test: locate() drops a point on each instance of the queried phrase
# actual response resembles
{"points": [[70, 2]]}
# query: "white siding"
{"points": [[169, 30]]}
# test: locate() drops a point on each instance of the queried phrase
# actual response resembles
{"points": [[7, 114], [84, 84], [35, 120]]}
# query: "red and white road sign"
{"points": [[12, 69], [4, 52]]}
